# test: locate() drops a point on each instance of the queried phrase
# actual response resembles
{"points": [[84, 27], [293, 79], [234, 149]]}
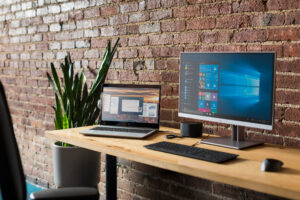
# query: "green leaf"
{"points": [[65, 122], [58, 114]]}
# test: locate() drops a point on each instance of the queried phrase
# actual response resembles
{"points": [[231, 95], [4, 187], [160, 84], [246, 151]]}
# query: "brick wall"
{"points": [[34, 33]]}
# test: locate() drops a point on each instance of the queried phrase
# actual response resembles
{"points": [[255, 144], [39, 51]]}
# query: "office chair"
{"points": [[12, 180]]}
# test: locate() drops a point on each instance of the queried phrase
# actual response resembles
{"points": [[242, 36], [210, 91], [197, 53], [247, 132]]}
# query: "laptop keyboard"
{"points": [[122, 129]]}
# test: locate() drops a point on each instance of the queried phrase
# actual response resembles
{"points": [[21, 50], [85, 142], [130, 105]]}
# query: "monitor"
{"points": [[231, 88]]}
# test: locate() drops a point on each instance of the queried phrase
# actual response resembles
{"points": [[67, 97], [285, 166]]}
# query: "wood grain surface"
{"points": [[243, 172]]}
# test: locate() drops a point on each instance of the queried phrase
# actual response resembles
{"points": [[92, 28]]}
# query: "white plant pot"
{"points": [[75, 166]]}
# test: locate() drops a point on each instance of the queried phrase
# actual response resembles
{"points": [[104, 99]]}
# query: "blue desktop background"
{"points": [[245, 84]]}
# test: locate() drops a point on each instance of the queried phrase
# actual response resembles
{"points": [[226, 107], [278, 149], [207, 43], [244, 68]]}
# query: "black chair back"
{"points": [[12, 180]]}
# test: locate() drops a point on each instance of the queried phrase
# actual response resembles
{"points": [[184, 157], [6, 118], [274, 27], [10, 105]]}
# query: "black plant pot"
{"points": [[75, 166]]}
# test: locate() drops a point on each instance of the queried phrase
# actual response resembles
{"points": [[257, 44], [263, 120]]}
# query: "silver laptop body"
{"points": [[130, 111]]}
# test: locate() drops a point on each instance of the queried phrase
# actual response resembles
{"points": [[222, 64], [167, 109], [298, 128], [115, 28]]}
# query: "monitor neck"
{"points": [[237, 133]]}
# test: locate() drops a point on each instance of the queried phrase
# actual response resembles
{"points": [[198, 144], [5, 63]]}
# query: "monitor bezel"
{"points": [[131, 124], [237, 122]]}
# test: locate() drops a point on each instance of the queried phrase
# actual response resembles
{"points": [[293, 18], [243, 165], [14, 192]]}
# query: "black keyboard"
{"points": [[192, 152], [132, 130]]}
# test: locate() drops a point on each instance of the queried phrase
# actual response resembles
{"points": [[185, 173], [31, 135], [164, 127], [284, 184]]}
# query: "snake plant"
{"points": [[75, 105]]}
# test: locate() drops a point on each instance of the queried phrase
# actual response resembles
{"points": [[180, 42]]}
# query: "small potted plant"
{"points": [[76, 106]]}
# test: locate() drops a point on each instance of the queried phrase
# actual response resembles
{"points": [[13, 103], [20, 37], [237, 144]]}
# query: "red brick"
{"points": [[169, 103], [170, 51], [112, 75], [109, 10], [199, 24], [285, 129], [265, 138], [160, 64], [119, 19], [172, 3], [149, 76], [216, 9], [287, 97], [215, 37], [288, 66], [128, 76], [276, 48], [292, 114], [292, 18], [98, 43], [90, 13], [138, 41], [248, 6], [250, 36], [139, 17], [291, 82], [269, 19], [128, 53], [166, 115], [149, 52], [173, 64], [292, 142], [182, 38], [171, 26], [170, 76], [282, 34], [184, 12], [234, 48], [232, 22], [291, 50], [227, 191], [153, 4], [282, 4], [161, 14], [132, 29], [160, 39]]}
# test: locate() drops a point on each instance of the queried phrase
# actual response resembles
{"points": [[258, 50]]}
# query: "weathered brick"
{"points": [[182, 38], [54, 45], [199, 24], [69, 26], [291, 50], [215, 37], [235, 21], [128, 76], [94, 53], [282, 34], [292, 18], [129, 7], [171, 26], [55, 27], [128, 53], [160, 39], [82, 44], [54, 9], [91, 13], [68, 45], [161, 14], [139, 17], [249, 36], [282, 4], [268, 19], [67, 6], [119, 19], [109, 10], [138, 41], [216, 9], [149, 76], [149, 28], [81, 4], [91, 33], [153, 4], [186, 12], [172, 3], [248, 6]]}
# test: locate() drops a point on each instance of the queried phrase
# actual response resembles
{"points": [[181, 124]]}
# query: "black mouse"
{"points": [[271, 165]]}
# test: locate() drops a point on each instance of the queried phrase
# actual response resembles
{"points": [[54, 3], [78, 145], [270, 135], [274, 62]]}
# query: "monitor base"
{"points": [[229, 143]]}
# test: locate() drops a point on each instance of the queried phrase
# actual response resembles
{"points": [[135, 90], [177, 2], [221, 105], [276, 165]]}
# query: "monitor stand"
{"points": [[236, 141]]}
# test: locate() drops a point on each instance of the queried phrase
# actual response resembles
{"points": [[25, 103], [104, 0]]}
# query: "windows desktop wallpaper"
{"points": [[228, 85]]}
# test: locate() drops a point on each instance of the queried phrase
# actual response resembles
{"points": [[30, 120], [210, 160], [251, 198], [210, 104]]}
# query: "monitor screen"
{"points": [[137, 104], [233, 88]]}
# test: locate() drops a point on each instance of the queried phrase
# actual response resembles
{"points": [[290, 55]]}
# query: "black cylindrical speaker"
{"points": [[191, 129]]}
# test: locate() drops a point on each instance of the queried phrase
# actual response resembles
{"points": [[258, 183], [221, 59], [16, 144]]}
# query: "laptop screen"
{"points": [[130, 105]]}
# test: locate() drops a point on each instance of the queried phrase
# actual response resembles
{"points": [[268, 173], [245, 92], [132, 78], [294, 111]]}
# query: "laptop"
{"points": [[130, 111]]}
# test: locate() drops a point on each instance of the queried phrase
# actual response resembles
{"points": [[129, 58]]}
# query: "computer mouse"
{"points": [[271, 165]]}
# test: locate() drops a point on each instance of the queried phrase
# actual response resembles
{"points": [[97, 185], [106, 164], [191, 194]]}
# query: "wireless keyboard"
{"points": [[192, 152]]}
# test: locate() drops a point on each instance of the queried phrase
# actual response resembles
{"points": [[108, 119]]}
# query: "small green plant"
{"points": [[75, 105]]}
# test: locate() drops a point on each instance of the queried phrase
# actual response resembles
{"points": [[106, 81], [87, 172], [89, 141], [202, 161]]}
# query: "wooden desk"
{"points": [[243, 172]]}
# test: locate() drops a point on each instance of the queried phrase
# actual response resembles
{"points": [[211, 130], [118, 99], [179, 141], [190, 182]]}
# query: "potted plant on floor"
{"points": [[76, 107]]}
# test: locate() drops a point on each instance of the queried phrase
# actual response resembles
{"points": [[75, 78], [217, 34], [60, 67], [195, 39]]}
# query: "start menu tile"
{"points": [[208, 88]]}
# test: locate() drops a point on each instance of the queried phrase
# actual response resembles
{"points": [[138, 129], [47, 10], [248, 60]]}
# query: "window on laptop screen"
{"points": [[123, 104]]}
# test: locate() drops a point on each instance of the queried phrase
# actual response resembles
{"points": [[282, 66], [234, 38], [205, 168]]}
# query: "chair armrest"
{"points": [[68, 193]]}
